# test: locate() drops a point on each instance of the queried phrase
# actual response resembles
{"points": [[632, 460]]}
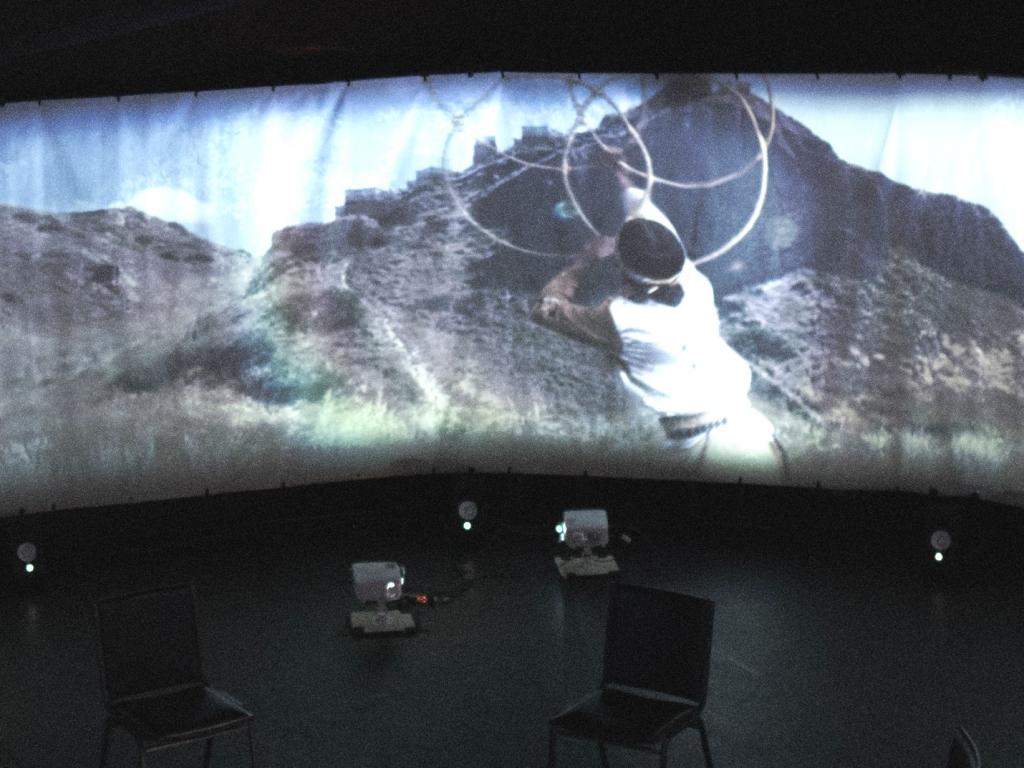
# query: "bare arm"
{"points": [[557, 309]]}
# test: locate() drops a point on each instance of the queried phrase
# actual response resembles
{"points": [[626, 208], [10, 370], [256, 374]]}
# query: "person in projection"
{"points": [[663, 330]]}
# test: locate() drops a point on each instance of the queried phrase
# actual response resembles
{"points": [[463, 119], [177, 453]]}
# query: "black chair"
{"points": [[655, 681], [153, 677], [964, 752]]}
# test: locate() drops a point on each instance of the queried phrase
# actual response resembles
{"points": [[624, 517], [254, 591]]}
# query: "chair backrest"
{"points": [[149, 642], [964, 752], [658, 640]]}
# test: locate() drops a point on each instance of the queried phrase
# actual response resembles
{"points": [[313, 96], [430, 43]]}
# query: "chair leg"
{"points": [[604, 754], [142, 756], [663, 755], [252, 749], [106, 745], [552, 756], [704, 743], [207, 753]]}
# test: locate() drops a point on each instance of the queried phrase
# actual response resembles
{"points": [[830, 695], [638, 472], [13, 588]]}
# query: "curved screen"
{"points": [[790, 279]]}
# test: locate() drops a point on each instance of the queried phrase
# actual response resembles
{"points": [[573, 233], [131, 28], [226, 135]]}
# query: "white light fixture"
{"points": [[379, 583], [468, 511], [27, 553], [582, 530], [940, 541]]}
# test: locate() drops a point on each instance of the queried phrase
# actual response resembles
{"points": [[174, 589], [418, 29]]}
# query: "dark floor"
{"points": [[823, 656]]}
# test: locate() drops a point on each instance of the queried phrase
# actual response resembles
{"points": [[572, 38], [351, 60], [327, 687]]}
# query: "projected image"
{"points": [[788, 279]]}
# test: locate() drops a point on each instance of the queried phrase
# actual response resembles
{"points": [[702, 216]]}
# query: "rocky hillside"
{"points": [[77, 290], [83, 296]]}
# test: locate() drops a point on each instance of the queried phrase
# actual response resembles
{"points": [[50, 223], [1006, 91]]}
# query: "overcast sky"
{"points": [[235, 166]]}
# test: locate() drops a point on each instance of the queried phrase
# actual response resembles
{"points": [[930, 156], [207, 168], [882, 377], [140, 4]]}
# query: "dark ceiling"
{"points": [[52, 49]]}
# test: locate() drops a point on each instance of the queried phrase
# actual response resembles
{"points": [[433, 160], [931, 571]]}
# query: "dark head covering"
{"points": [[650, 253]]}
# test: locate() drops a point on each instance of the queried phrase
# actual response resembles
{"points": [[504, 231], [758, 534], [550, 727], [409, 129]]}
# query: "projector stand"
{"points": [[382, 623], [588, 564]]}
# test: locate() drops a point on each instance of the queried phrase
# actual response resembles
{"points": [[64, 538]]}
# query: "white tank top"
{"points": [[674, 359]]}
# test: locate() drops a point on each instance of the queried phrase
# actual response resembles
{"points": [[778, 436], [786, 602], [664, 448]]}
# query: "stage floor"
{"points": [[823, 656]]}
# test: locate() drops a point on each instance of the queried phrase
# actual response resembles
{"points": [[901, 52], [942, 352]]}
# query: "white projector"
{"points": [[380, 583], [582, 530]]}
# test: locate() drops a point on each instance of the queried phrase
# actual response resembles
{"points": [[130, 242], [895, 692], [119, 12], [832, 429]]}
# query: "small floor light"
{"points": [[940, 541], [581, 531], [468, 511], [27, 553], [379, 583]]}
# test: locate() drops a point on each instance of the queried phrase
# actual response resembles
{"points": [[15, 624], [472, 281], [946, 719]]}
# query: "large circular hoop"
{"points": [[761, 195], [762, 156], [598, 93], [720, 180], [460, 204]]}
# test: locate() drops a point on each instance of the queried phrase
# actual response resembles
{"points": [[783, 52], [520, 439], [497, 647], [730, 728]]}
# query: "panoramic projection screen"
{"points": [[791, 279]]}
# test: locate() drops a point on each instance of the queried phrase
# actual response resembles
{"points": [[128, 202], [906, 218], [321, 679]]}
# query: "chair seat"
{"points": [[170, 718], [621, 717]]}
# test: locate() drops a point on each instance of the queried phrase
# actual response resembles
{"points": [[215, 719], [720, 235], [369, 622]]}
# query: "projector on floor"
{"points": [[582, 530], [379, 583]]}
